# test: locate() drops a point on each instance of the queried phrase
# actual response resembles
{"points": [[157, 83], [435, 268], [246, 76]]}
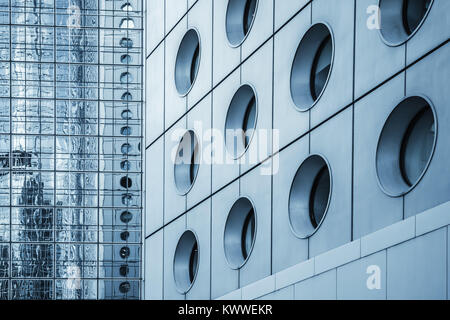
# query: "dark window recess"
{"points": [[321, 67], [318, 200], [193, 262], [413, 13], [248, 234], [249, 14], [124, 252]]}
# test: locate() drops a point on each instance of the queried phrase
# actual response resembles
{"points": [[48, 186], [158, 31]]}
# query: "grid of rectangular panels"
{"points": [[70, 159]]}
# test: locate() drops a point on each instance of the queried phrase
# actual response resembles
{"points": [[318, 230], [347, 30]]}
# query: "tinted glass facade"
{"points": [[70, 158]]}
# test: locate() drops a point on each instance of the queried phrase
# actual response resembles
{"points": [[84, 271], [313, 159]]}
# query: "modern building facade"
{"points": [[297, 149], [70, 134]]}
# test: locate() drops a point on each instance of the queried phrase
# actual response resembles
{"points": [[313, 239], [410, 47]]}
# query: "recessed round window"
{"points": [[124, 287], [126, 77], [400, 19], [187, 162], [126, 96], [127, 7], [124, 235], [239, 19], [126, 114], [240, 122], [126, 148], [124, 252], [126, 216], [125, 165], [312, 66], [406, 145], [185, 262], [309, 196], [187, 62], [124, 270], [240, 233], [125, 131], [126, 182], [126, 43], [125, 58], [127, 199], [126, 23]]}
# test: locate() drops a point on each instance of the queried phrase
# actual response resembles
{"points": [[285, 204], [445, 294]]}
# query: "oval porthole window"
{"points": [[126, 23], [309, 196], [126, 114], [125, 165], [125, 58], [126, 43], [127, 7], [125, 131], [127, 199], [406, 146], [124, 252], [311, 67], [240, 233], [126, 77], [124, 235], [240, 121], [126, 182], [239, 20], [187, 162], [187, 62], [126, 148], [126, 216], [124, 270], [186, 262], [400, 19], [124, 287]]}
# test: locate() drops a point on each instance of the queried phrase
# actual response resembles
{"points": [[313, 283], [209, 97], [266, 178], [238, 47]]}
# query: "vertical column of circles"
{"points": [[126, 10]]}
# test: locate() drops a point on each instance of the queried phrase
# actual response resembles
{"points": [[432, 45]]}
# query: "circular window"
{"points": [[124, 252], [126, 77], [125, 165], [124, 287], [124, 270], [187, 62], [240, 232], [309, 196], [125, 131], [127, 199], [126, 43], [239, 20], [126, 148], [126, 23], [187, 162], [126, 114], [406, 145], [126, 58], [126, 182], [185, 263], [400, 19], [126, 216], [124, 235], [312, 65], [240, 122]]}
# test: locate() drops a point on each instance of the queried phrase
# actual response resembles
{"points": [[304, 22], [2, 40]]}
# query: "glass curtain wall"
{"points": [[70, 149]]}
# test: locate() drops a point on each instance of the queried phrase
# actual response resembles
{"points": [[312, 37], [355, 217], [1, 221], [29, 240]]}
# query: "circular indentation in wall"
{"points": [[310, 196], [126, 43], [125, 165], [126, 96], [187, 62], [127, 199], [126, 59], [187, 162], [400, 19], [126, 114], [185, 262], [126, 148], [126, 77], [239, 20], [126, 216], [126, 23], [124, 235], [406, 145], [124, 287], [125, 131], [312, 66], [241, 120], [124, 252], [124, 270], [126, 182], [240, 233]]}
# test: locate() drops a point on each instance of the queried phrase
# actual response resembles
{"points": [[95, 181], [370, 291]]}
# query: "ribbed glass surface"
{"points": [[70, 158]]}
